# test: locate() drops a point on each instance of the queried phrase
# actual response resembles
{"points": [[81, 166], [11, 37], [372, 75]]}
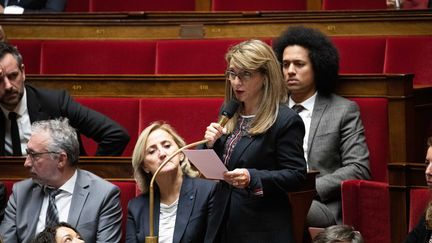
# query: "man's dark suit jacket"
{"points": [[49, 104], [194, 205], [39, 5], [276, 164]]}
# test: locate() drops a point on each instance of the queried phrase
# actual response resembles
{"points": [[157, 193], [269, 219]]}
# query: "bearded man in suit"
{"points": [[60, 192], [30, 104], [334, 142]]}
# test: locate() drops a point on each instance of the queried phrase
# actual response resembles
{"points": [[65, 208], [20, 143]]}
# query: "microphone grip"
{"points": [[223, 120]]}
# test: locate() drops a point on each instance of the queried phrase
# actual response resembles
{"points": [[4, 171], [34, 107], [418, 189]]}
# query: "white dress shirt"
{"points": [[63, 202], [24, 125]]}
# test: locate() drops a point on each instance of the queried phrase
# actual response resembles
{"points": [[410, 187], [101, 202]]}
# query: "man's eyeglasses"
{"points": [[35, 155], [243, 75]]}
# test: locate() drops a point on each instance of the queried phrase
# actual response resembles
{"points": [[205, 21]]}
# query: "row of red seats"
{"points": [[206, 56], [190, 116], [228, 5]]}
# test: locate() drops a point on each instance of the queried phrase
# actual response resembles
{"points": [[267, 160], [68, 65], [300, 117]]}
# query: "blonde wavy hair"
{"points": [[255, 55], [141, 177]]}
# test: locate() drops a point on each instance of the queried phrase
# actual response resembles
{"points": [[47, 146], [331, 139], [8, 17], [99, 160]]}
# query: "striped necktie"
{"points": [[297, 108], [52, 217]]}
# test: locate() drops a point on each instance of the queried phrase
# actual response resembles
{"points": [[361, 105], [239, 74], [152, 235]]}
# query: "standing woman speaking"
{"points": [[262, 147]]}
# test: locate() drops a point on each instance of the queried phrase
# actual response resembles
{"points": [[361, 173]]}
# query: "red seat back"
{"points": [[258, 5], [410, 55], [415, 4], [419, 199], [361, 54], [127, 192], [373, 112], [124, 111], [98, 57], [192, 56], [353, 4], [78, 6], [31, 52], [142, 5], [9, 185], [366, 206], [189, 116]]}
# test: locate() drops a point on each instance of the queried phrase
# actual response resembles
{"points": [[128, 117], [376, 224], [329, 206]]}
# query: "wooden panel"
{"points": [[160, 25], [393, 86]]}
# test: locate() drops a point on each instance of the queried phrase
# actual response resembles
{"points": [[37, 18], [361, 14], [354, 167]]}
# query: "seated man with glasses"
{"points": [[60, 192]]}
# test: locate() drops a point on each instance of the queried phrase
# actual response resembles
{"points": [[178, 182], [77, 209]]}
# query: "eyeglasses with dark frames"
{"points": [[35, 155], [242, 75]]}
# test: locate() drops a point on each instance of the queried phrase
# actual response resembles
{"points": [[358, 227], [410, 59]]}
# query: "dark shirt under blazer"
{"points": [[276, 164], [194, 205]]}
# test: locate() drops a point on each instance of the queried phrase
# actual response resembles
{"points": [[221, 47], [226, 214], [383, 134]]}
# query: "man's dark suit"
{"points": [[194, 205], [38, 5], [49, 104], [276, 165], [95, 210]]}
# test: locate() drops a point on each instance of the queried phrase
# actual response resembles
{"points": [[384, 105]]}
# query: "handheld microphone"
{"points": [[227, 113]]}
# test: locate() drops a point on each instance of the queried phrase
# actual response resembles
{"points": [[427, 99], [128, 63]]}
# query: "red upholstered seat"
{"points": [[189, 116], [410, 55], [373, 112], [192, 56], [98, 57], [361, 54], [125, 111], [258, 5], [9, 185], [360, 197], [127, 192], [142, 5], [415, 4], [31, 52], [366, 207], [419, 198], [353, 4], [78, 6]]}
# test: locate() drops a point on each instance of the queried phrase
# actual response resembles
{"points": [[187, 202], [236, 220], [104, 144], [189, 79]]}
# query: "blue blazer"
{"points": [[276, 165], [194, 206]]}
